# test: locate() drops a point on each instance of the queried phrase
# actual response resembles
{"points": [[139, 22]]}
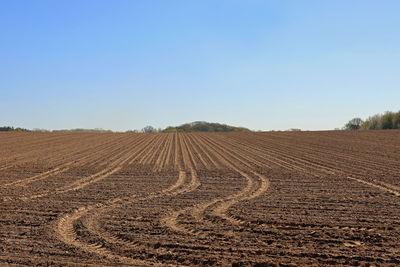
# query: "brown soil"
{"points": [[257, 199]]}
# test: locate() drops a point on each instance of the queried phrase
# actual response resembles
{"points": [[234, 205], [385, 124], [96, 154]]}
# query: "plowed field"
{"points": [[239, 199]]}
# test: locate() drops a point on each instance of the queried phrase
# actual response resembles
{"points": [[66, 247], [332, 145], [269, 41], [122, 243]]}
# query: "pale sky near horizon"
{"points": [[264, 65]]}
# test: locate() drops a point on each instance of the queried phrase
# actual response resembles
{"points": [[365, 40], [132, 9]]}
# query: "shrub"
{"points": [[354, 124]]}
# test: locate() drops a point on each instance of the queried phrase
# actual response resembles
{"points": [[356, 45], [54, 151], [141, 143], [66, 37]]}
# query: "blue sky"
{"points": [[261, 64]]}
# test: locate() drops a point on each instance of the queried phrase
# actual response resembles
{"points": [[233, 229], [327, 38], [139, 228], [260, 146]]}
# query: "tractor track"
{"points": [[195, 199]]}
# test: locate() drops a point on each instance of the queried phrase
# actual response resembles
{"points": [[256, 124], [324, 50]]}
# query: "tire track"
{"points": [[328, 164], [321, 154], [65, 225], [247, 193], [170, 220], [383, 188], [321, 170], [221, 205], [224, 220], [117, 162], [66, 233], [32, 154], [60, 169]]}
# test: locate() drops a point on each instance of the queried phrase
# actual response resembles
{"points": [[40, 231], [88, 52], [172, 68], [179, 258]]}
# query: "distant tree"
{"points": [[6, 129], [170, 129], [202, 126], [372, 123], [9, 129], [387, 121], [149, 129], [354, 124], [396, 120]]}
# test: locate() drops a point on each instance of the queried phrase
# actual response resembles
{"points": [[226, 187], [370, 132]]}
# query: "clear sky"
{"points": [[261, 64]]}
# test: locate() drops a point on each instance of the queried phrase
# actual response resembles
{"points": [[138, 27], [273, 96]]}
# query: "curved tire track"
{"points": [[65, 225]]}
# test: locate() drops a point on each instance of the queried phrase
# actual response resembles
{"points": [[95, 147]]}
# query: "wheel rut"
{"points": [[64, 227], [201, 199], [254, 188], [116, 162]]}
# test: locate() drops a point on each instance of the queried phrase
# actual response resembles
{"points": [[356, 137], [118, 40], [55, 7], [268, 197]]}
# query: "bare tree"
{"points": [[354, 124], [149, 129]]}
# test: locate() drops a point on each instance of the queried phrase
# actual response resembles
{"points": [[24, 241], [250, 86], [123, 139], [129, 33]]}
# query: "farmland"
{"points": [[200, 198]]}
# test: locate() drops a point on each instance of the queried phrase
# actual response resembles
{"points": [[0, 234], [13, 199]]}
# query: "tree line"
{"points": [[202, 126], [387, 120], [11, 129]]}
